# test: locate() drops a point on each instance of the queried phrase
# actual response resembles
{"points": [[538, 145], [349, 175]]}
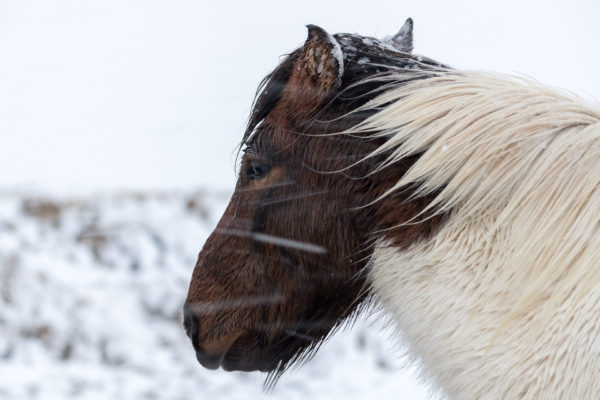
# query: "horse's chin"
{"points": [[255, 351], [232, 363], [242, 355]]}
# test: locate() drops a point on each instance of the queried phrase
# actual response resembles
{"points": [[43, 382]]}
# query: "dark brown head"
{"points": [[287, 261]]}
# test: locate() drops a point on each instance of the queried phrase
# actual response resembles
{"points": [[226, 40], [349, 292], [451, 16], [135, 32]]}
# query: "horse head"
{"points": [[286, 263]]}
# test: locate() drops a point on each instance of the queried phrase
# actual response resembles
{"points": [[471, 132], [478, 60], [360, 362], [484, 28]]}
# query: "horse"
{"points": [[466, 204]]}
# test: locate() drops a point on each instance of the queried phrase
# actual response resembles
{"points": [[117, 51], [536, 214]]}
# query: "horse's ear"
{"points": [[403, 40], [322, 60]]}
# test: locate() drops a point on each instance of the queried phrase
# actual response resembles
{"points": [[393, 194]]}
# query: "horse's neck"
{"points": [[452, 301]]}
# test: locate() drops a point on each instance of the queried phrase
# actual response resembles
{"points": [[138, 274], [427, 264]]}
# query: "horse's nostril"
{"points": [[190, 323]]}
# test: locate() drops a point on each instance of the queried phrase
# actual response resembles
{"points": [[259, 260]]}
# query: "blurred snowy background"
{"points": [[91, 290], [118, 123]]}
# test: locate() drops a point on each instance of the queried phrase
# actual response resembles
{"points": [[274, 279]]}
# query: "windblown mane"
{"points": [[504, 149], [516, 165]]}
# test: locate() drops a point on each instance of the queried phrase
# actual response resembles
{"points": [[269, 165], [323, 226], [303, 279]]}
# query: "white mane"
{"points": [[504, 301]]}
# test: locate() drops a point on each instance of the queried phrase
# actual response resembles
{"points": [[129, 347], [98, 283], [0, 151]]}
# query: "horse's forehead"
{"points": [[270, 138]]}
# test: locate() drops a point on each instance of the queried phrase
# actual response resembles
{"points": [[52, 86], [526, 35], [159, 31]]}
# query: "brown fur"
{"points": [[256, 303]]}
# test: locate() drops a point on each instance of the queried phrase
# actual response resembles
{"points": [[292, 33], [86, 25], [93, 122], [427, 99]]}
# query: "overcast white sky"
{"points": [[135, 94]]}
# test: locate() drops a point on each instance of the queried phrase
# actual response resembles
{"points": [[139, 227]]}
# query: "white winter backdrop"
{"points": [[118, 123]]}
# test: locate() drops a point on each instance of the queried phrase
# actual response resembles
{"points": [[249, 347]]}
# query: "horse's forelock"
{"points": [[365, 63], [269, 93]]}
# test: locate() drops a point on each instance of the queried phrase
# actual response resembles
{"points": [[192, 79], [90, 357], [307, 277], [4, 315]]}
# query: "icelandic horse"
{"points": [[466, 203]]}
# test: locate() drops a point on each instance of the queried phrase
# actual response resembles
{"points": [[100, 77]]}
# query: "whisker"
{"points": [[297, 325], [297, 334]]}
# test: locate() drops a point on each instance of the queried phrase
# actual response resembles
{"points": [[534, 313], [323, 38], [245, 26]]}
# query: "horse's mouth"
{"points": [[209, 362], [236, 364], [233, 360], [230, 363]]}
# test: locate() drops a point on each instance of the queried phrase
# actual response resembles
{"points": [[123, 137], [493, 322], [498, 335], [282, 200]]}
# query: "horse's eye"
{"points": [[257, 170]]}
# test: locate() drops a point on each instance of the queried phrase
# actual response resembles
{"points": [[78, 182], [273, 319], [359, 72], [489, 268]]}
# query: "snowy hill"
{"points": [[90, 308]]}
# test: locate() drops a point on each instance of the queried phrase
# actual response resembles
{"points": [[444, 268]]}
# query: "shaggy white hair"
{"points": [[504, 301]]}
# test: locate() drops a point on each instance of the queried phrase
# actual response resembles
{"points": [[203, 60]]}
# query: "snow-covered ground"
{"points": [[91, 291]]}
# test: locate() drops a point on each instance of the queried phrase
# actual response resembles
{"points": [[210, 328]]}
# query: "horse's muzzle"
{"points": [[190, 323], [210, 355]]}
